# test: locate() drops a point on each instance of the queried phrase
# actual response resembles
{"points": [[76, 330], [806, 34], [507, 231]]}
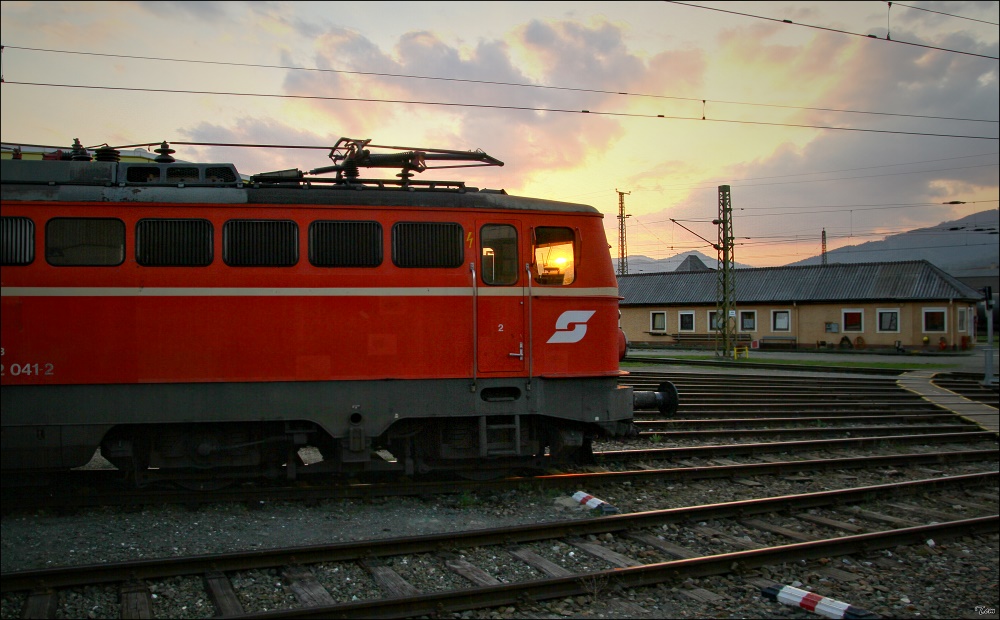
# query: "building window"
{"points": [[657, 321], [554, 255], [748, 320], [685, 321], [963, 321], [78, 242], [173, 243], [888, 321], [345, 244], [781, 321], [17, 241], [853, 320], [935, 319], [713, 322]]}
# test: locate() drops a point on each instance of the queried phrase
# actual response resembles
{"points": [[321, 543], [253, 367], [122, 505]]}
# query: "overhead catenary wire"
{"points": [[496, 107], [739, 182], [802, 174], [836, 30], [863, 176], [799, 210], [918, 8], [703, 100], [647, 116]]}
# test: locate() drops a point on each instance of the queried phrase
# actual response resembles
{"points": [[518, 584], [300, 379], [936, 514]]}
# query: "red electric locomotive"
{"points": [[187, 320]]}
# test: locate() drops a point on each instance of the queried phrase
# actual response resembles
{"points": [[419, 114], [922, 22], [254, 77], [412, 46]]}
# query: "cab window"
{"points": [[499, 260], [554, 255]]}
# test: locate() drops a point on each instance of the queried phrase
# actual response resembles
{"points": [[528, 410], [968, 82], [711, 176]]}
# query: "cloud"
{"points": [[200, 9], [790, 182], [248, 130], [563, 53]]}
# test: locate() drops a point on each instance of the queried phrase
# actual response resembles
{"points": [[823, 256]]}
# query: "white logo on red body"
{"points": [[575, 318]]}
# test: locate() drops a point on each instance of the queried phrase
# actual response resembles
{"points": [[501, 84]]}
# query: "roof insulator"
{"points": [[164, 156], [79, 153], [106, 153]]}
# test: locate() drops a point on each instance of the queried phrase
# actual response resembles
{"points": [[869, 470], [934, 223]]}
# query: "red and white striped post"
{"points": [[815, 603]]}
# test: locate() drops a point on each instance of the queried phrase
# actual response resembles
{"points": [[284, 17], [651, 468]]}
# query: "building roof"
{"points": [[693, 263], [859, 282]]}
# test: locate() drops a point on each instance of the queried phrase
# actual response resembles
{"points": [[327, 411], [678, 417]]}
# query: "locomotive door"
{"points": [[500, 301]]}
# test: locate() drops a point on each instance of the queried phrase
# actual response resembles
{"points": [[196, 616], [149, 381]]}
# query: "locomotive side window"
{"points": [[427, 244], [142, 174], [554, 255], [345, 244], [182, 175], [219, 174], [173, 243], [17, 241], [260, 243], [78, 242], [499, 264]]}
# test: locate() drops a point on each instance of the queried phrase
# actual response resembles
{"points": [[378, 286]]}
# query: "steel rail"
{"points": [[268, 558], [650, 574], [675, 361], [688, 422], [787, 446], [764, 382], [553, 481], [738, 372], [806, 408], [754, 382], [828, 430], [859, 410]]}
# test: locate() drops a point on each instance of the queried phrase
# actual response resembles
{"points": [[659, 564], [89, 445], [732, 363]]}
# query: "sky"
{"points": [[812, 123]]}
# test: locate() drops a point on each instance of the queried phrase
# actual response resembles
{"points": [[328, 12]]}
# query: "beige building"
{"points": [[910, 304]]}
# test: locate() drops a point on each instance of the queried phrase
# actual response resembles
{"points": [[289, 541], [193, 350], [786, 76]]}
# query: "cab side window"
{"points": [[554, 254], [499, 255]]}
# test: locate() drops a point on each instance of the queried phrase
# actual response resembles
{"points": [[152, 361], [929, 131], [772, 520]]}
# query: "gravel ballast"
{"points": [[938, 579]]}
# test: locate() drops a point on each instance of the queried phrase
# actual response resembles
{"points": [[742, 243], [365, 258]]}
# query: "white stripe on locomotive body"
{"points": [[452, 291]]}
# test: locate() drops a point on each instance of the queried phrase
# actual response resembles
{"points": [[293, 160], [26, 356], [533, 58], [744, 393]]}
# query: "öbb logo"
{"points": [[575, 318]]}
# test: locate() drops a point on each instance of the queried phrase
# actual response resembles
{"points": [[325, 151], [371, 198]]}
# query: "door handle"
{"points": [[520, 353]]}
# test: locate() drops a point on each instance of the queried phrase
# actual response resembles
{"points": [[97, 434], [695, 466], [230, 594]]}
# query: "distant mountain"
{"points": [[960, 247], [965, 248], [644, 264]]}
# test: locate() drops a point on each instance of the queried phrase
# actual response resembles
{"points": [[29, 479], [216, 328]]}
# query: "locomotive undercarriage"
{"points": [[210, 456], [207, 435]]}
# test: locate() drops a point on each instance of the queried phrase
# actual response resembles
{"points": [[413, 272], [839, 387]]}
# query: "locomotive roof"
{"points": [[221, 183]]}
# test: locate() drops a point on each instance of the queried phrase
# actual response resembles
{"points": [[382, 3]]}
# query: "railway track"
{"points": [[697, 463], [800, 479], [971, 387], [614, 552]]}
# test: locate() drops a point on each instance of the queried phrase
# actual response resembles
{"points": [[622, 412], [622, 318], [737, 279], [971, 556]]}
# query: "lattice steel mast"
{"points": [[725, 307], [622, 244]]}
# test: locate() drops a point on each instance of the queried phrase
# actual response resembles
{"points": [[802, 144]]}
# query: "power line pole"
{"points": [[725, 306], [622, 244], [824, 246]]}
